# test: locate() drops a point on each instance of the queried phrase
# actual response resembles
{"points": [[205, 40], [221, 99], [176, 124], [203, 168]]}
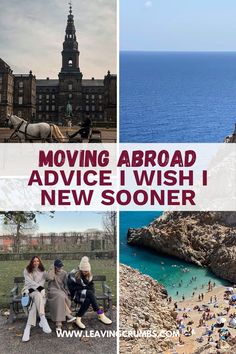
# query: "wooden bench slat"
{"points": [[95, 278]]}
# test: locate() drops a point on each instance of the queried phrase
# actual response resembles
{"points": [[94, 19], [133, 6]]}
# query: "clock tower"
{"points": [[70, 76]]}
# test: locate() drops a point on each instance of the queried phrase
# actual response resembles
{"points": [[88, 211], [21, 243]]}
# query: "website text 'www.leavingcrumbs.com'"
{"points": [[113, 333]]}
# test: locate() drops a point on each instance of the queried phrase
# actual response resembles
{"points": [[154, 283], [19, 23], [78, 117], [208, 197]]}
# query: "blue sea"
{"points": [[169, 98], [177, 97], [168, 271]]}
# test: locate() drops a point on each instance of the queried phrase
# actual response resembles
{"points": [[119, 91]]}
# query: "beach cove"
{"points": [[179, 278]]}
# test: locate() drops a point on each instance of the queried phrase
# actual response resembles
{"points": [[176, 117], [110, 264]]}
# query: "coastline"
{"points": [[188, 320], [190, 344]]}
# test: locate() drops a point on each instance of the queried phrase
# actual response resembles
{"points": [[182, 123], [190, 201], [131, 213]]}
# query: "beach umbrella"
{"points": [[221, 320], [230, 289], [233, 297], [232, 322]]}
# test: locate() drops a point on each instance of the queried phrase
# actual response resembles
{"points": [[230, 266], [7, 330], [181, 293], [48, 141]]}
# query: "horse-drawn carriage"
{"points": [[44, 132]]}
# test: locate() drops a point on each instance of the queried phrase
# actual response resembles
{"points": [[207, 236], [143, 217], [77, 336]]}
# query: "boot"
{"points": [[44, 324], [26, 335], [79, 323], [103, 318]]}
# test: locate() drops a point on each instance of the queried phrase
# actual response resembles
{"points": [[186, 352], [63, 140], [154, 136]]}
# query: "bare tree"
{"points": [[110, 227], [19, 222]]}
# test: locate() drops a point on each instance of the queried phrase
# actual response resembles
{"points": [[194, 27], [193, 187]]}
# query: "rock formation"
{"points": [[204, 238], [143, 307], [231, 138]]}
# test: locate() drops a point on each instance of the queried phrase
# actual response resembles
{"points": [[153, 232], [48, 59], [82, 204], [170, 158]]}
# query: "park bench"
{"points": [[16, 310]]}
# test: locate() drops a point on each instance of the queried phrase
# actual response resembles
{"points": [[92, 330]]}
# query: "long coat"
{"points": [[58, 295], [78, 287]]}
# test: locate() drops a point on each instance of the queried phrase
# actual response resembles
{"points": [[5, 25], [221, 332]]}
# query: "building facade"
{"points": [[87, 241], [68, 98]]}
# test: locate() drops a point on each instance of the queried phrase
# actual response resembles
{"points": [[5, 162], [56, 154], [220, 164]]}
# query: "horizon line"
{"points": [[177, 51]]}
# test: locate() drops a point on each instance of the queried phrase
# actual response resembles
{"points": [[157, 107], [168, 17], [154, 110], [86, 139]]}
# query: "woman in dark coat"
{"points": [[82, 290]]}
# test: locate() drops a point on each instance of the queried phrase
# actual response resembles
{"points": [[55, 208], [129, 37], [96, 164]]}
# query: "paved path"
{"points": [[108, 135], [41, 343]]}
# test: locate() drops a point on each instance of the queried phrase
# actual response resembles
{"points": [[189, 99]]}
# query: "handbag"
{"points": [[25, 300]]}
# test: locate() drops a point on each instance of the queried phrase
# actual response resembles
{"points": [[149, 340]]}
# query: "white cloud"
{"points": [[148, 3]]}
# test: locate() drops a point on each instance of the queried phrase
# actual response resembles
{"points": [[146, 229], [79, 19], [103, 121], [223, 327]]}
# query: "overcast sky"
{"points": [[32, 33], [178, 25], [66, 221]]}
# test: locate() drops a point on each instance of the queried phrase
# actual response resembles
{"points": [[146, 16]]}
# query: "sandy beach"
{"points": [[217, 307]]}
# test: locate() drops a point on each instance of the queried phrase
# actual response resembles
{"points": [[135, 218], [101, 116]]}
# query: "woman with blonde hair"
{"points": [[35, 277], [81, 286]]}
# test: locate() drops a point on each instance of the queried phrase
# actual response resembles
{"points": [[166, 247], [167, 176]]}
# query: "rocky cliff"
{"points": [[231, 138], [204, 238], [143, 308]]}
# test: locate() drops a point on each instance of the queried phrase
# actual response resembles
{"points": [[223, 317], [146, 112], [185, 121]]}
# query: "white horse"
{"points": [[33, 131]]}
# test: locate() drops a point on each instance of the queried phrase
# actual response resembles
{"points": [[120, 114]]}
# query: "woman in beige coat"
{"points": [[35, 277], [58, 300]]}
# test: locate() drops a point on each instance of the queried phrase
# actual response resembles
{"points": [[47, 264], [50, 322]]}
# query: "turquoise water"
{"points": [[167, 270]]}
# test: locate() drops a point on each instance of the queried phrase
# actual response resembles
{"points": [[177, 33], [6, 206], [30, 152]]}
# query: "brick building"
{"points": [[91, 240], [70, 97]]}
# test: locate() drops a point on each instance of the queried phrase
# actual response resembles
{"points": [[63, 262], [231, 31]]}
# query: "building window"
{"points": [[40, 97], [70, 62], [87, 108], [47, 108], [40, 108], [20, 100], [40, 116], [100, 116], [87, 97], [47, 97], [53, 97], [0, 97], [21, 84], [100, 97], [70, 86], [47, 116], [93, 97], [53, 107], [100, 108], [19, 114], [93, 108], [70, 95]]}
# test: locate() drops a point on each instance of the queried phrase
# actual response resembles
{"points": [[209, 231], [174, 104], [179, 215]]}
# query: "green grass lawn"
{"points": [[11, 269]]}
